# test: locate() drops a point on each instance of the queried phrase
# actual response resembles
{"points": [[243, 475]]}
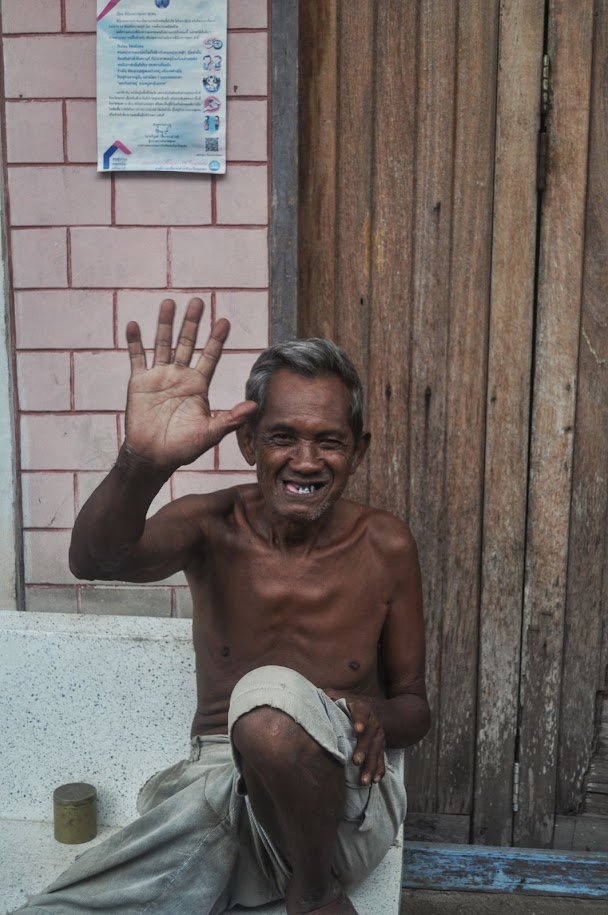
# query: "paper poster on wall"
{"points": [[161, 85]]}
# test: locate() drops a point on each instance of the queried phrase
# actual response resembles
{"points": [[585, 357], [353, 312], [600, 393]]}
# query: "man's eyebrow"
{"points": [[280, 427], [324, 433]]}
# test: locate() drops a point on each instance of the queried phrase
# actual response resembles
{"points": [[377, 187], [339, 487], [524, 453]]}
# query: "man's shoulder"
{"points": [[216, 505], [388, 533]]}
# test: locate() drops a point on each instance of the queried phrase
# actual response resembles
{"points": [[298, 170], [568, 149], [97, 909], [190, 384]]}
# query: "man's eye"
{"points": [[331, 444], [282, 439]]}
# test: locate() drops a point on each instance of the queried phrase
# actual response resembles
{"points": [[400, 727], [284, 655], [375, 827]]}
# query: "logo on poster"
{"points": [[162, 4], [214, 165]]}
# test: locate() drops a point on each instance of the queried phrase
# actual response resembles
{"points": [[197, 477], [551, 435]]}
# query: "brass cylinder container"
{"points": [[75, 813]]}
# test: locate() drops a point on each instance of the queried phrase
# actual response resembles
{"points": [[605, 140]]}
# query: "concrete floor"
{"points": [[431, 902]]}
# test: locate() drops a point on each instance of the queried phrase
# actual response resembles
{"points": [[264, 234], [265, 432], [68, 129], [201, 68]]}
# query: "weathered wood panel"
{"points": [[437, 827], [596, 780], [506, 467], [391, 255], [587, 584], [591, 833], [284, 174], [429, 352], [356, 110], [501, 870], [553, 413], [469, 299], [317, 165], [402, 249]]}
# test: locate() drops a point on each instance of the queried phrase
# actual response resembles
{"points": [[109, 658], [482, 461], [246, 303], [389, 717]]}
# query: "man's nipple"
{"points": [[354, 665], [225, 651]]}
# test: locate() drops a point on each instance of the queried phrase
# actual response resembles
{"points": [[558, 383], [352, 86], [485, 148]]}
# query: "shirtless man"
{"points": [[308, 635]]}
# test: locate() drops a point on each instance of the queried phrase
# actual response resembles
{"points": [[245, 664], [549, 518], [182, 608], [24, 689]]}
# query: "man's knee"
{"points": [[269, 736], [269, 711]]}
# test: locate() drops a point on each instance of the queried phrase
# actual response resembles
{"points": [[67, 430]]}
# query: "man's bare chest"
{"points": [[256, 597]]}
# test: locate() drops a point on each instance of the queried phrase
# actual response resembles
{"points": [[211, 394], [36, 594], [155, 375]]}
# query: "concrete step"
{"points": [[76, 695]]}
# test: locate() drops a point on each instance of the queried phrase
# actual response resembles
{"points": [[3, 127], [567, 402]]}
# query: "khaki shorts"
{"points": [[197, 848]]}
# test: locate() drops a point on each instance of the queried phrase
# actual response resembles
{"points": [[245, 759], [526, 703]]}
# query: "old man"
{"points": [[308, 634]]}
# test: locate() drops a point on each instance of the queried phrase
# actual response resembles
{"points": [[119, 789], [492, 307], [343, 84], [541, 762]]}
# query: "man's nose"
{"points": [[306, 457]]}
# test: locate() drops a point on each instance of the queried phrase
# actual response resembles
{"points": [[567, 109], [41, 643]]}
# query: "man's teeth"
{"points": [[307, 490]]}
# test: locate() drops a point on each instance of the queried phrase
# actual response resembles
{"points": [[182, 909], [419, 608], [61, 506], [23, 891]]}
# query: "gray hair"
{"points": [[310, 357]]}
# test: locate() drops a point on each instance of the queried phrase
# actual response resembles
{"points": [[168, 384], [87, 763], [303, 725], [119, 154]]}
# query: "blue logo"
{"points": [[214, 165], [162, 4]]}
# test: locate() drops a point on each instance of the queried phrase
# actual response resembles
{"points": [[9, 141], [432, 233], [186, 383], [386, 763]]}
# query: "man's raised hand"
{"points": [[169, 421]]}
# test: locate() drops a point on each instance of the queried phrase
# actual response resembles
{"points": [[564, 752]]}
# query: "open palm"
{"points": [[169, 421]]}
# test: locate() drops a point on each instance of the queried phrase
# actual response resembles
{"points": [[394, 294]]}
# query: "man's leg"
{"points": [[178, 857], [296, 790]]}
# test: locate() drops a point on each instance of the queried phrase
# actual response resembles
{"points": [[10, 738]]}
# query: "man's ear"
{"points": [[360, 450], [245, 436]]}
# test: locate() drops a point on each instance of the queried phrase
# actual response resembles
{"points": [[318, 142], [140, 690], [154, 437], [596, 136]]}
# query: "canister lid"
{"points": [[74, 794]]}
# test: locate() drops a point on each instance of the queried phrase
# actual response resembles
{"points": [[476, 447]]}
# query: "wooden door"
{"points": [[429, 252]]}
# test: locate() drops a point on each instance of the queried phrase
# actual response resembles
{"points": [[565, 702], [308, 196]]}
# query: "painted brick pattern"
{"points": [[89, 252]]}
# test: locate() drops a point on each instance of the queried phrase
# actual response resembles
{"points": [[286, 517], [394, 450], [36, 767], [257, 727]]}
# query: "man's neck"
{"points": [[290, 535]]}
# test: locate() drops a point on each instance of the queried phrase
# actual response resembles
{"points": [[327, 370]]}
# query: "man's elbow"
{"points": [[426, 719], [86, 568], [419, 718]]}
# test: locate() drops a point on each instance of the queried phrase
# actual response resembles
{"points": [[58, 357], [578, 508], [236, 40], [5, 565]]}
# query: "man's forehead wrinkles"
{"points": [[309, 407], [281, 426]]}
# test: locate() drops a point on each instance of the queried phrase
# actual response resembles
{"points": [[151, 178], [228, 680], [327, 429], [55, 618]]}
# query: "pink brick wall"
{"points": [[88, 252]]}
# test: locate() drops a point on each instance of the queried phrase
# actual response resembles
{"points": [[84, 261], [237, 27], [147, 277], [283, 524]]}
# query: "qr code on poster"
{"points": [[212, 144]]}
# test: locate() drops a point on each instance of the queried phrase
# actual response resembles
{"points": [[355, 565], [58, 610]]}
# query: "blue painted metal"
{"points": [[433, 865]]}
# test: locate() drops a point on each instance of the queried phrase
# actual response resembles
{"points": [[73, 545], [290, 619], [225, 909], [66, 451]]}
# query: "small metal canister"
{"points": [[75, 813]]}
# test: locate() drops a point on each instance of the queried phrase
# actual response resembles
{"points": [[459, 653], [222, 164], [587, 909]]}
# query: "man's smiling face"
{"points": [[304, 446]]}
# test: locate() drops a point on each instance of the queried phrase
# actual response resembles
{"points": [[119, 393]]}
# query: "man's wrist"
{"points": [[131, 464]]}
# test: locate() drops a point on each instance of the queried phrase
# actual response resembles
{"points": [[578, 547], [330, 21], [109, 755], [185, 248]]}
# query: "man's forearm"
{"points": [[405, 719], [112, 521]]}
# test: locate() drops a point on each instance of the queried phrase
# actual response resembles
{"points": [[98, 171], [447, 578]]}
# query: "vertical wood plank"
{"points": [[587, 583], [357, 62], [284, 173], [317, 167], [391, 253], [507, 414], [469, 295], [429, 352], [556, 357]]}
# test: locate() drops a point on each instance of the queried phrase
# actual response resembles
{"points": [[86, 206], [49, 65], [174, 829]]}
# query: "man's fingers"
{"points": [[213, 349], [369, 750], [360, 712], [373, 770], [361, 717], [164, 333], [229, 420], [188, 332], [137, 354], [380, 767], [369, 755]]}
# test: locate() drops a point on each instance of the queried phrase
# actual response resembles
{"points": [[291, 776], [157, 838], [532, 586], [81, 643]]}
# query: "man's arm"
{"points": [[403, 717], [168, 423], [113, 541]]}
